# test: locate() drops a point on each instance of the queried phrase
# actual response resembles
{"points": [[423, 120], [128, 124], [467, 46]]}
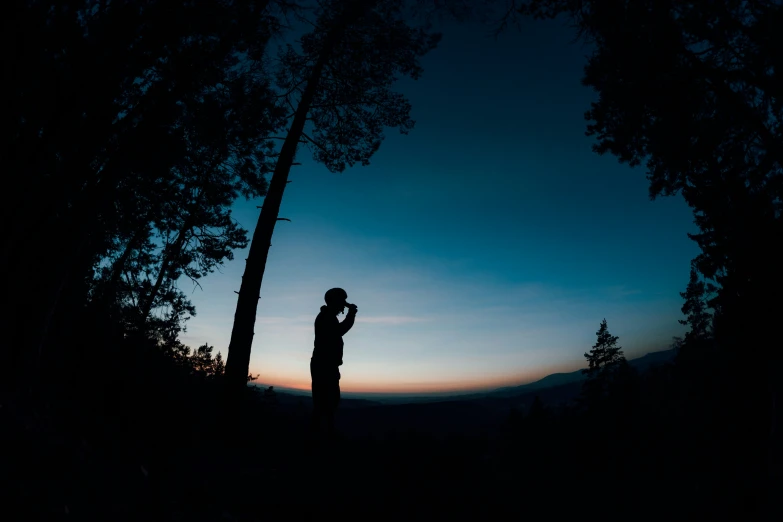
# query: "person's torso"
{"points": [[328, 345]]}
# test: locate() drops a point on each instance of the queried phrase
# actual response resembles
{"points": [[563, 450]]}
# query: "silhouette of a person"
{"points": [[328, 356]]}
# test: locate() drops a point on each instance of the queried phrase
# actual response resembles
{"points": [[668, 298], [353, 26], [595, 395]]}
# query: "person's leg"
{"points": [[334, 401], [315, 421], [330, 424], [318, 409]]}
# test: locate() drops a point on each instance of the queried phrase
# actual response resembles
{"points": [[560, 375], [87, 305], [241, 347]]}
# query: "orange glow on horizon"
{"points": [[359, 385]]}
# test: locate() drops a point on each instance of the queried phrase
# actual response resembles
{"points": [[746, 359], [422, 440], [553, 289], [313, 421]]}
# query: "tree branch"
{"points": [[292, 89], [311, 140]]}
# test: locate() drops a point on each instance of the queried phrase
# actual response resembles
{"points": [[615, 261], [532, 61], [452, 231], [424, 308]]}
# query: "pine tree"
{"points": [[704, 115], [605, 362], [605, 355]]}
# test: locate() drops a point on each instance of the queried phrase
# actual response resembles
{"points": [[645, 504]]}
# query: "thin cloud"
{"points": [[390, 319], [281, 320], [302, 320]]}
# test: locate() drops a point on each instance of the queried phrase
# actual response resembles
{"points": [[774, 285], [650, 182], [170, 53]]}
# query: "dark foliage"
{"points": [[692, 91], [132, 127]]}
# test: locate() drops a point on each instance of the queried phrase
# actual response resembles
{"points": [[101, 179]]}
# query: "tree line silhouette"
{"points": [[133, 127]]}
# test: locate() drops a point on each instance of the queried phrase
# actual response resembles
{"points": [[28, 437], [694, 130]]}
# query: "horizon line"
{"points": [[443, 392]]}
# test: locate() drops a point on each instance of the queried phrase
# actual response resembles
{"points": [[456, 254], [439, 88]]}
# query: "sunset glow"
{"points": [[483, 249]]}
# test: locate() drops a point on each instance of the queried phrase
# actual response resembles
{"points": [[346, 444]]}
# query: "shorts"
{"points": [[325, 386]]}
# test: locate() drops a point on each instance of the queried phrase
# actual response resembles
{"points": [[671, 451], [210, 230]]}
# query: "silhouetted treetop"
{"points": [[605, 354], [129, 123], [354, 101], [692, 90], [338, 88]]}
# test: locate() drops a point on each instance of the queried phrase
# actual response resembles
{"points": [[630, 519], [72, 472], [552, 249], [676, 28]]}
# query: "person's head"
{"points": [[336, 300]]}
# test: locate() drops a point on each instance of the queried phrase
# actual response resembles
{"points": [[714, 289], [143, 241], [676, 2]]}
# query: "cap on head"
{"points": [[335, 296]]}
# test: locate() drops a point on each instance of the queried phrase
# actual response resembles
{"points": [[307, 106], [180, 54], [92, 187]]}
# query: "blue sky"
{"points": [[483, 249]]}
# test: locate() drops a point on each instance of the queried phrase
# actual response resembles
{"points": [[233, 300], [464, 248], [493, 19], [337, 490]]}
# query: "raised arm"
{"points": [[348, 321]]}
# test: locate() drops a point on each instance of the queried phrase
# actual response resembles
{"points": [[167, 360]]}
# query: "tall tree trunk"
{"points": [[238, 360]]}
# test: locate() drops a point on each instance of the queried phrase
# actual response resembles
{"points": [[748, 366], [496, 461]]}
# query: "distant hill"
{"points": [[653, 359], [566, 384], [440, 415], [641, 364]]}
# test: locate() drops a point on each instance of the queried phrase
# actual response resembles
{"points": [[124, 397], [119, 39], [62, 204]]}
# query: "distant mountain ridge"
{"points": [[559, 379], [550, 381], [463, 413]]}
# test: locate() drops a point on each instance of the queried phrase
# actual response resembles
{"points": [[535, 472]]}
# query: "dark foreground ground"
{"points": [[455, 460]]}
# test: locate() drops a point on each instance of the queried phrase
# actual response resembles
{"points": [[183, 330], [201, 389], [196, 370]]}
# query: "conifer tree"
{"points": [[605, 361]]}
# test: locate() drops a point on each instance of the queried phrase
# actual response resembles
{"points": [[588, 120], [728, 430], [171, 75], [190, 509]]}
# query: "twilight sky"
{"points": [[483, 249]]}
